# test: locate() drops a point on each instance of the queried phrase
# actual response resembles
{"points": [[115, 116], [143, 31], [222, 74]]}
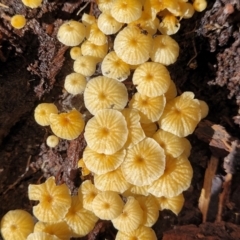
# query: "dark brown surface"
{"points": [[33, 65]]}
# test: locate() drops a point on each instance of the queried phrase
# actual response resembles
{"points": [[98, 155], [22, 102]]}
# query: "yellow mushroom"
{"points": [[75, 83], [16, 225], [52, 141], [18, 21], [171, 92], [67, 125], [75, 52], [149, 128], [104, 5], [199, 5], [95, 35], [32, 3], [169, 24], [88, 19], [41, 236]]}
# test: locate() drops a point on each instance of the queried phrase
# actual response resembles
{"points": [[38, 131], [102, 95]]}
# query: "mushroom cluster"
{"points": [[137, 151]]}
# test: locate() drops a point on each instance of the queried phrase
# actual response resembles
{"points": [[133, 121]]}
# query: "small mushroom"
{"points": [[95, 35], [75, 52], [41, 236], [52, 141], [18, 21], [32, 3]]}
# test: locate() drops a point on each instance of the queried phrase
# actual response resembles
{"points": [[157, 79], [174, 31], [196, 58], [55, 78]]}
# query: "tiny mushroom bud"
{"points": [[75, 83], [18, 21], [32, 3], [95, 35], [52, 141], [71, 33], [16, 225], [199, 5], [75, 52]]}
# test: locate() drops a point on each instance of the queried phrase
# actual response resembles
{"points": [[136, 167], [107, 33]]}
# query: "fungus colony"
{"points": [[136, 150]]}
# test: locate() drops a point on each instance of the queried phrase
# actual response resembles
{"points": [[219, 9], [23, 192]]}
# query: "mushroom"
{"points": [[100, 163], [144, 162], [171, 92], [106, 132], [75, 52], [52, 141], [84, 170], [199, 5], [88, 19], [95, 35], [152, 79], [67, 125], [16, 225], [107, 205], [132, 45], [149, 128], [85, 65], [71, 33], [75, 83], [32, 3], [105, 93], [81, 220], [18, 21], [41, 236], [42, 113], [169, 24], [130, 218], [104, 5], [54, 201]]}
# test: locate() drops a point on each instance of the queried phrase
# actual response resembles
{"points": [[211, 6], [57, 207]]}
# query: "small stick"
{"points": [[82, 8], [3, 5]]}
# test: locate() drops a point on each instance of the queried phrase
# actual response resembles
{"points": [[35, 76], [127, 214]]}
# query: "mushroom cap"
{"points": [[149, 128], [108, 24], [75, 52], [106, 132], [181, 115], [84, 170], [174, 204], [138, 190], [107, 205], [41, 236], [171, 92], [204, 109], [187, 10], [16, 225], [79, 219], [171, 143], [52, 141], [135, 131], [98, 51], [176, 178], [104, 5], [32, 3], [144, 162], [114, 67], [150, 208], [18, 21], [95, 35], [152, 79], [199, 5], [133, 46], [130, 218], [85, 65], [187, 147], [150, 108], [103, 92], [71, 33], [165, 50], [75, 83], [100, 163], [42, 113], [126, 11], [111, 181], [88, 19], [141, 233], [67, 125], [169, 24], [59, 229], [54, 201], [87, 192]]}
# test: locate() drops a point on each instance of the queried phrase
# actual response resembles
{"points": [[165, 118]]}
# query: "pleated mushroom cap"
{"points": [[42, 113], [165, 50], [150, 108], [111, 181], [71, 33], [133, 46], [100, 163], [88, 19], [59, 229], [141, 233], [52, 141], [54, 201], [130, 218], [106, 132], [187, 147], [174, 204], [150, 207], [79, 219], [181, 115], [139, 190], [171, 92], [104, 5], [152, 79], [135, 131], [98, 51], [204, 109], [169, 24], [176, 178], [114, 67], [67, 125], [108, 24], [75, 83], [87, 192], [95, 35], [85, 65], [75, 52], [126, 11], [149, 128], [105, 93], [32, 3], [107, 205], [144, 162], [41, 236], [16, 225], [171, 143]]}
